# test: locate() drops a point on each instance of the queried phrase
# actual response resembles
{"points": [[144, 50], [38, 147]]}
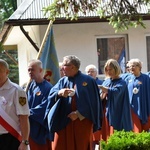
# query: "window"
{"points": [[148, 51], [112, 47]]}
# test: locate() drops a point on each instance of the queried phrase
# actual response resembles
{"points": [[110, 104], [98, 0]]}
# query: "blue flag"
{"points": [[121, 61], [50, 60]]}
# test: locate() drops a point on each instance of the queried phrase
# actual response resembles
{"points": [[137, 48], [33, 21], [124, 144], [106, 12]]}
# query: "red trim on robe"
{"points": [[77, 135], [137, 125]]}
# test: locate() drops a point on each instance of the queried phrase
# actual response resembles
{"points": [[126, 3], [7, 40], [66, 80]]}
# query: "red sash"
{"points": [[9, 124]]}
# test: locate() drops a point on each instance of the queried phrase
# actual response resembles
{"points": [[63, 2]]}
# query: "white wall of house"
{"points": [[80, 40], [27, 52]]}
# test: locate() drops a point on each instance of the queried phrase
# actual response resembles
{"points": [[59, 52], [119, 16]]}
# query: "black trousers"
{"points": [[8, 142]]}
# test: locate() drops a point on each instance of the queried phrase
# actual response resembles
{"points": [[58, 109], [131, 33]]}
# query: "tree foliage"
{"points": [[120, 13], [11, 57], [7, 7]]}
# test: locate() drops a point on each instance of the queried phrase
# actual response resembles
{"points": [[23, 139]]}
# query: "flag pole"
{"points": [[41, 47], [44, 39]]}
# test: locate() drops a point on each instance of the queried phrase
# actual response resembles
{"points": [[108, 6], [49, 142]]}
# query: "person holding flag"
{"points": [[14, 112]]}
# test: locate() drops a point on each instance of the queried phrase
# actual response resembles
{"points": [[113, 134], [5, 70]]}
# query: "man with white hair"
{"points": [[77, 111], [92, 71], [37, 93]]}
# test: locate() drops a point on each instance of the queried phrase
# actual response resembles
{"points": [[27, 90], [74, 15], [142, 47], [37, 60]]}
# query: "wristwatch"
{"points": [[26, 142]]}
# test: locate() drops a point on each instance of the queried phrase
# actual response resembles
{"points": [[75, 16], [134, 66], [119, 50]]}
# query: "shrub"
{"points": [[122, 140]]}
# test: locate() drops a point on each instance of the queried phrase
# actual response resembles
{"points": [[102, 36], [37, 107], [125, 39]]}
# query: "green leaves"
{"points": [[123, 22], [70, 9], [121, 14], [7, 7], [14, 70], [122, 140]]}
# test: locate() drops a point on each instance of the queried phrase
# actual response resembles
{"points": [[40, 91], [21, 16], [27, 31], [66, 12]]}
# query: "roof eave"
{"points": [[57, 21], [10, 23], [45, 21]]}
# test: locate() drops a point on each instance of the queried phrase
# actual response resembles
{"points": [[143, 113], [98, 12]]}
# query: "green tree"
{"points": [[120, 13], [7, 7], [11, 57]]}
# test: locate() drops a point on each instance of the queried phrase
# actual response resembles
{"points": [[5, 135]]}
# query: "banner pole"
{"points": [[41, 47], [44, 39]]}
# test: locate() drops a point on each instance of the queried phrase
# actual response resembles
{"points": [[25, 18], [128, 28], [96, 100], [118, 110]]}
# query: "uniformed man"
{"points": [[14, 112]]}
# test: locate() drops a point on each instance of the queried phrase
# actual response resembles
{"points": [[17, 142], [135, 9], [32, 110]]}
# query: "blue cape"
{"points": [[140, 101], [87, 97], [38, 100], [98, 81], [118, 109]]}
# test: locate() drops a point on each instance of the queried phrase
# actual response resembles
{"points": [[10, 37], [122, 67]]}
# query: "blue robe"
{"points": [[126, 76], [98, 81], [148, 73], [118, 110], [140, 101], [38, 100], [87, 101]]}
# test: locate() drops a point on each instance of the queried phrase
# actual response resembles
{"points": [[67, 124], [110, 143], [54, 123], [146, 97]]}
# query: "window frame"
{"points": [[148, 58], [125, 36]]}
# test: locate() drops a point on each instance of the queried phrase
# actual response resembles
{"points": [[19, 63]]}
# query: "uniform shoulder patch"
{"points": [[22, 100]]}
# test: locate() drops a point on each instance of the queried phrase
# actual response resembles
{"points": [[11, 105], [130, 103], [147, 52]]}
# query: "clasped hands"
{"points": [[73, 115], [66, 92]]}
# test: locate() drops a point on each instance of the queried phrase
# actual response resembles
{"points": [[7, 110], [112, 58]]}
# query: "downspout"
{"points": [[29, 38]]}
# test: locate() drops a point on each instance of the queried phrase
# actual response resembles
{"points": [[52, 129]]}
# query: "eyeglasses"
{"points": [[133, 66], [92, 71], [66, 65]]}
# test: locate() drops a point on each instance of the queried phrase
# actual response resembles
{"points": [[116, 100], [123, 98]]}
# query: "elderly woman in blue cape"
{"points": [[139, 93]]}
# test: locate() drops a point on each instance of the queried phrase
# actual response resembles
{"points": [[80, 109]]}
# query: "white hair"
{"points": [[91, 66], [135, 61]]}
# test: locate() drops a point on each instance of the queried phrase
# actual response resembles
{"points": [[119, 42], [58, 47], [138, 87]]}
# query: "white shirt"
{"points": [[13, 100]]}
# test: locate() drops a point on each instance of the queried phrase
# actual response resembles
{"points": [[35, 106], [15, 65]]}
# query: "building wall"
{"points": [[26, 52], [80, 40]]}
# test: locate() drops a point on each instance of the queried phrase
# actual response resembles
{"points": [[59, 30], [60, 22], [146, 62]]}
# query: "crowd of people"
{"points": [[78, 111]]}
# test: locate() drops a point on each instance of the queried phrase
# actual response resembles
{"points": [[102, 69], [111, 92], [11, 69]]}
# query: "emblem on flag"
{"points": [[50, 60]]}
